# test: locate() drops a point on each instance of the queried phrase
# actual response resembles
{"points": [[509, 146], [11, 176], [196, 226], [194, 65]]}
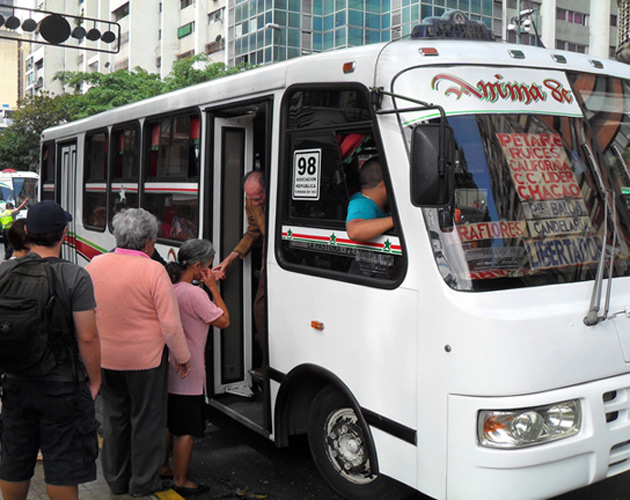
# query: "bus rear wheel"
{"points": [[338, 444]]}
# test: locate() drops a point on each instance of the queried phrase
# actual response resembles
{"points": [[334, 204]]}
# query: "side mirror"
{"points": [[432, 150]]}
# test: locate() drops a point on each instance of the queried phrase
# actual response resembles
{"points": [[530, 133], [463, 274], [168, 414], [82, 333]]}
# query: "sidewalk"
{"points": [[96, 490]]}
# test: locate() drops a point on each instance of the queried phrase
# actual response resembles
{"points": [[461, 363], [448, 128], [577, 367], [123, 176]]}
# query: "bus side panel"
{"points": [[396, 458], [369, 341]]}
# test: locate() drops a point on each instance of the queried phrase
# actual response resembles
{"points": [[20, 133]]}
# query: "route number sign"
{"points": [[306, 174]]}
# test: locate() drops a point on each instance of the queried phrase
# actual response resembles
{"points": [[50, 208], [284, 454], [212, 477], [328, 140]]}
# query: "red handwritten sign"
{"points": [[491, 230], [539, 166]]}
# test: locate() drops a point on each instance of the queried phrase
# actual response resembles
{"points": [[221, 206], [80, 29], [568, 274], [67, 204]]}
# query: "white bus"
{"points": [[16, 186], [481, 348]]}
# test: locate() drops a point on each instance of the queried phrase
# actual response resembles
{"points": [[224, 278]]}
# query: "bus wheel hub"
{"points": [[345, 445]]}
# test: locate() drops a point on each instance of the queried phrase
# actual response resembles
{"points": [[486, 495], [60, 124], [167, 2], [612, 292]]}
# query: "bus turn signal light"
{"points": [[349, 67]]}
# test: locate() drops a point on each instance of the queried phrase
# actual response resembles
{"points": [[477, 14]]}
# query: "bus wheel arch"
{"points": [[295, 396], [340, 440]]}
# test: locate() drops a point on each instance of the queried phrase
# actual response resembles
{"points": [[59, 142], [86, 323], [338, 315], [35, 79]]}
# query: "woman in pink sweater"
{"points": [[137, 318]]}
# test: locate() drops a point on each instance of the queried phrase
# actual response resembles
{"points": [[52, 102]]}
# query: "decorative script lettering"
{"points": [[494, 91]]}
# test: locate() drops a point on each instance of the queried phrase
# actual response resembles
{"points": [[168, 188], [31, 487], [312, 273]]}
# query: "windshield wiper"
{"points": [[592, 318]]}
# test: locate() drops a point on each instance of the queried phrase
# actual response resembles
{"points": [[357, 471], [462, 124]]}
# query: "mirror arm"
{"points": [[377, 100]]}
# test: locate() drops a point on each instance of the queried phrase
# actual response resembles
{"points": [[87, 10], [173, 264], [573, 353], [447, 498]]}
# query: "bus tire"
{"points": [[337, 443]]}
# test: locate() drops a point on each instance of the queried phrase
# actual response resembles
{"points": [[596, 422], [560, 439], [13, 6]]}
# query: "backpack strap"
{"points": [[67, 339]]}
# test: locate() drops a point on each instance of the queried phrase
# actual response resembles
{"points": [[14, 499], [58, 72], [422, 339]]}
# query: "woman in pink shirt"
{"points": [[186, 419], [137, 318]]}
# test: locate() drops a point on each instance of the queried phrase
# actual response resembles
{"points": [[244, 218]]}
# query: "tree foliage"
{"points": [[197, 69], [108, 90], [19, 144]]}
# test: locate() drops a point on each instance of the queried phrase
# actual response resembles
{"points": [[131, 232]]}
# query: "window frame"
{"points": [[86, 181], [285, 164], [145, 158], [51, 163], [112, 158]]}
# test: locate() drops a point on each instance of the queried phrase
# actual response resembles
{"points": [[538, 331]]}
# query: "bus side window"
{"points": [[95, 179], [318, 186], [171, 185], [47, 173], [325, 152], [124, 169]]}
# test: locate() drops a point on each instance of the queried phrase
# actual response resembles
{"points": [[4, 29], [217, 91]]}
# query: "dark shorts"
{"points": [[53, 417], [186, 415]]}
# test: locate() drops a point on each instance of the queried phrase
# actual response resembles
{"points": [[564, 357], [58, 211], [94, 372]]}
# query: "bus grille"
{"points": [[617, 411]]}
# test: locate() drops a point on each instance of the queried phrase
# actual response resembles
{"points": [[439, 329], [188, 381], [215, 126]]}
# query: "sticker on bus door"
{"points": [[306, 174]]}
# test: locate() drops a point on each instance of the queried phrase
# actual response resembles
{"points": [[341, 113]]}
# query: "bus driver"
{"points": [[367, 217]]}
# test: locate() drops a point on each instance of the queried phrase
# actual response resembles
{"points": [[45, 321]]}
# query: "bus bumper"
{"points": [[599, 450]]}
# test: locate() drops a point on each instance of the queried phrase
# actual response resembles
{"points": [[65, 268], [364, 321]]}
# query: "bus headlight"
{"points": [[528, 426]]}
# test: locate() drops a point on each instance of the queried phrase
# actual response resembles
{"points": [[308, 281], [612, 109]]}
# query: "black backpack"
{"points": [[34, 329]]}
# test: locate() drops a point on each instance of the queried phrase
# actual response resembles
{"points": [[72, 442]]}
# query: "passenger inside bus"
{"points": [[183, 226], [367, 215], [344, 153]]}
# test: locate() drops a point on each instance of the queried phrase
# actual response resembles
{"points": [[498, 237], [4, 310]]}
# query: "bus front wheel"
{"points": [[338, 444]]}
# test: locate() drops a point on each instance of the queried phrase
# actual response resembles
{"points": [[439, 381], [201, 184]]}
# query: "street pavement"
{"points": [[237, 463]]}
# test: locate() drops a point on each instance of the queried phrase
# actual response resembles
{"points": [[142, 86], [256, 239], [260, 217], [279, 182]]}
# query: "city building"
{"points": [[11, 81], [623, 31], [263, 32], [153, 35], [585, 26]]}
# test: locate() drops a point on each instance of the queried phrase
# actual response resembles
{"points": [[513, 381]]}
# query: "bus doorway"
{"points": [[239, 140]]}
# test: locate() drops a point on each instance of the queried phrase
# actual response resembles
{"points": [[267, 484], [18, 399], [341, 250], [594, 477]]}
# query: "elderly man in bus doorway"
{"points": [[255, 192], [367, 215], [7, 217]]}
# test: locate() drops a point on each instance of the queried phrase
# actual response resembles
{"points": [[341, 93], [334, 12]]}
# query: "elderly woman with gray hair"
{"points": [[186, 419], [137, 318]]}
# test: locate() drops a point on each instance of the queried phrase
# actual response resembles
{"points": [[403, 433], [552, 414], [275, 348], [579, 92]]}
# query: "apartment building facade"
{"points": [[154, 34], [11, 81], [585, 26]]}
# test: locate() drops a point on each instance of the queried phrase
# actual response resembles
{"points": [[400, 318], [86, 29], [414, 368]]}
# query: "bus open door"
{"points": [[239, 140]]}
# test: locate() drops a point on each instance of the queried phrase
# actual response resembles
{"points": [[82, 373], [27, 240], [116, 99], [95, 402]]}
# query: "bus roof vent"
{"points": [[452, 24], [516, 54], [559, 58], [596, 64]]}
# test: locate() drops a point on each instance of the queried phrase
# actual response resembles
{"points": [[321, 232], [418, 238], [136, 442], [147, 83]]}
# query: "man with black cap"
{"points": [[54, 412]]}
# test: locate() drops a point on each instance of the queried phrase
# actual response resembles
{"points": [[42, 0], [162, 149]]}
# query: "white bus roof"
{"points": [[392, 58]]}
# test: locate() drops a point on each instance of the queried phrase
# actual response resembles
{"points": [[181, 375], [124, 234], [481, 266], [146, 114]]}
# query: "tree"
{"points": [[108, 90], [197, 69], [19, 143]]}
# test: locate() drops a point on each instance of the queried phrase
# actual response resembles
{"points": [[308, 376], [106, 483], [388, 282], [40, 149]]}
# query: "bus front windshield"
{"points": [[530, 193]]}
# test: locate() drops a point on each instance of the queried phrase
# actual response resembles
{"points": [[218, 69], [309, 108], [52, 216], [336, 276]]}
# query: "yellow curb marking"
{"points": [[162, 495], [168, 495]]}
